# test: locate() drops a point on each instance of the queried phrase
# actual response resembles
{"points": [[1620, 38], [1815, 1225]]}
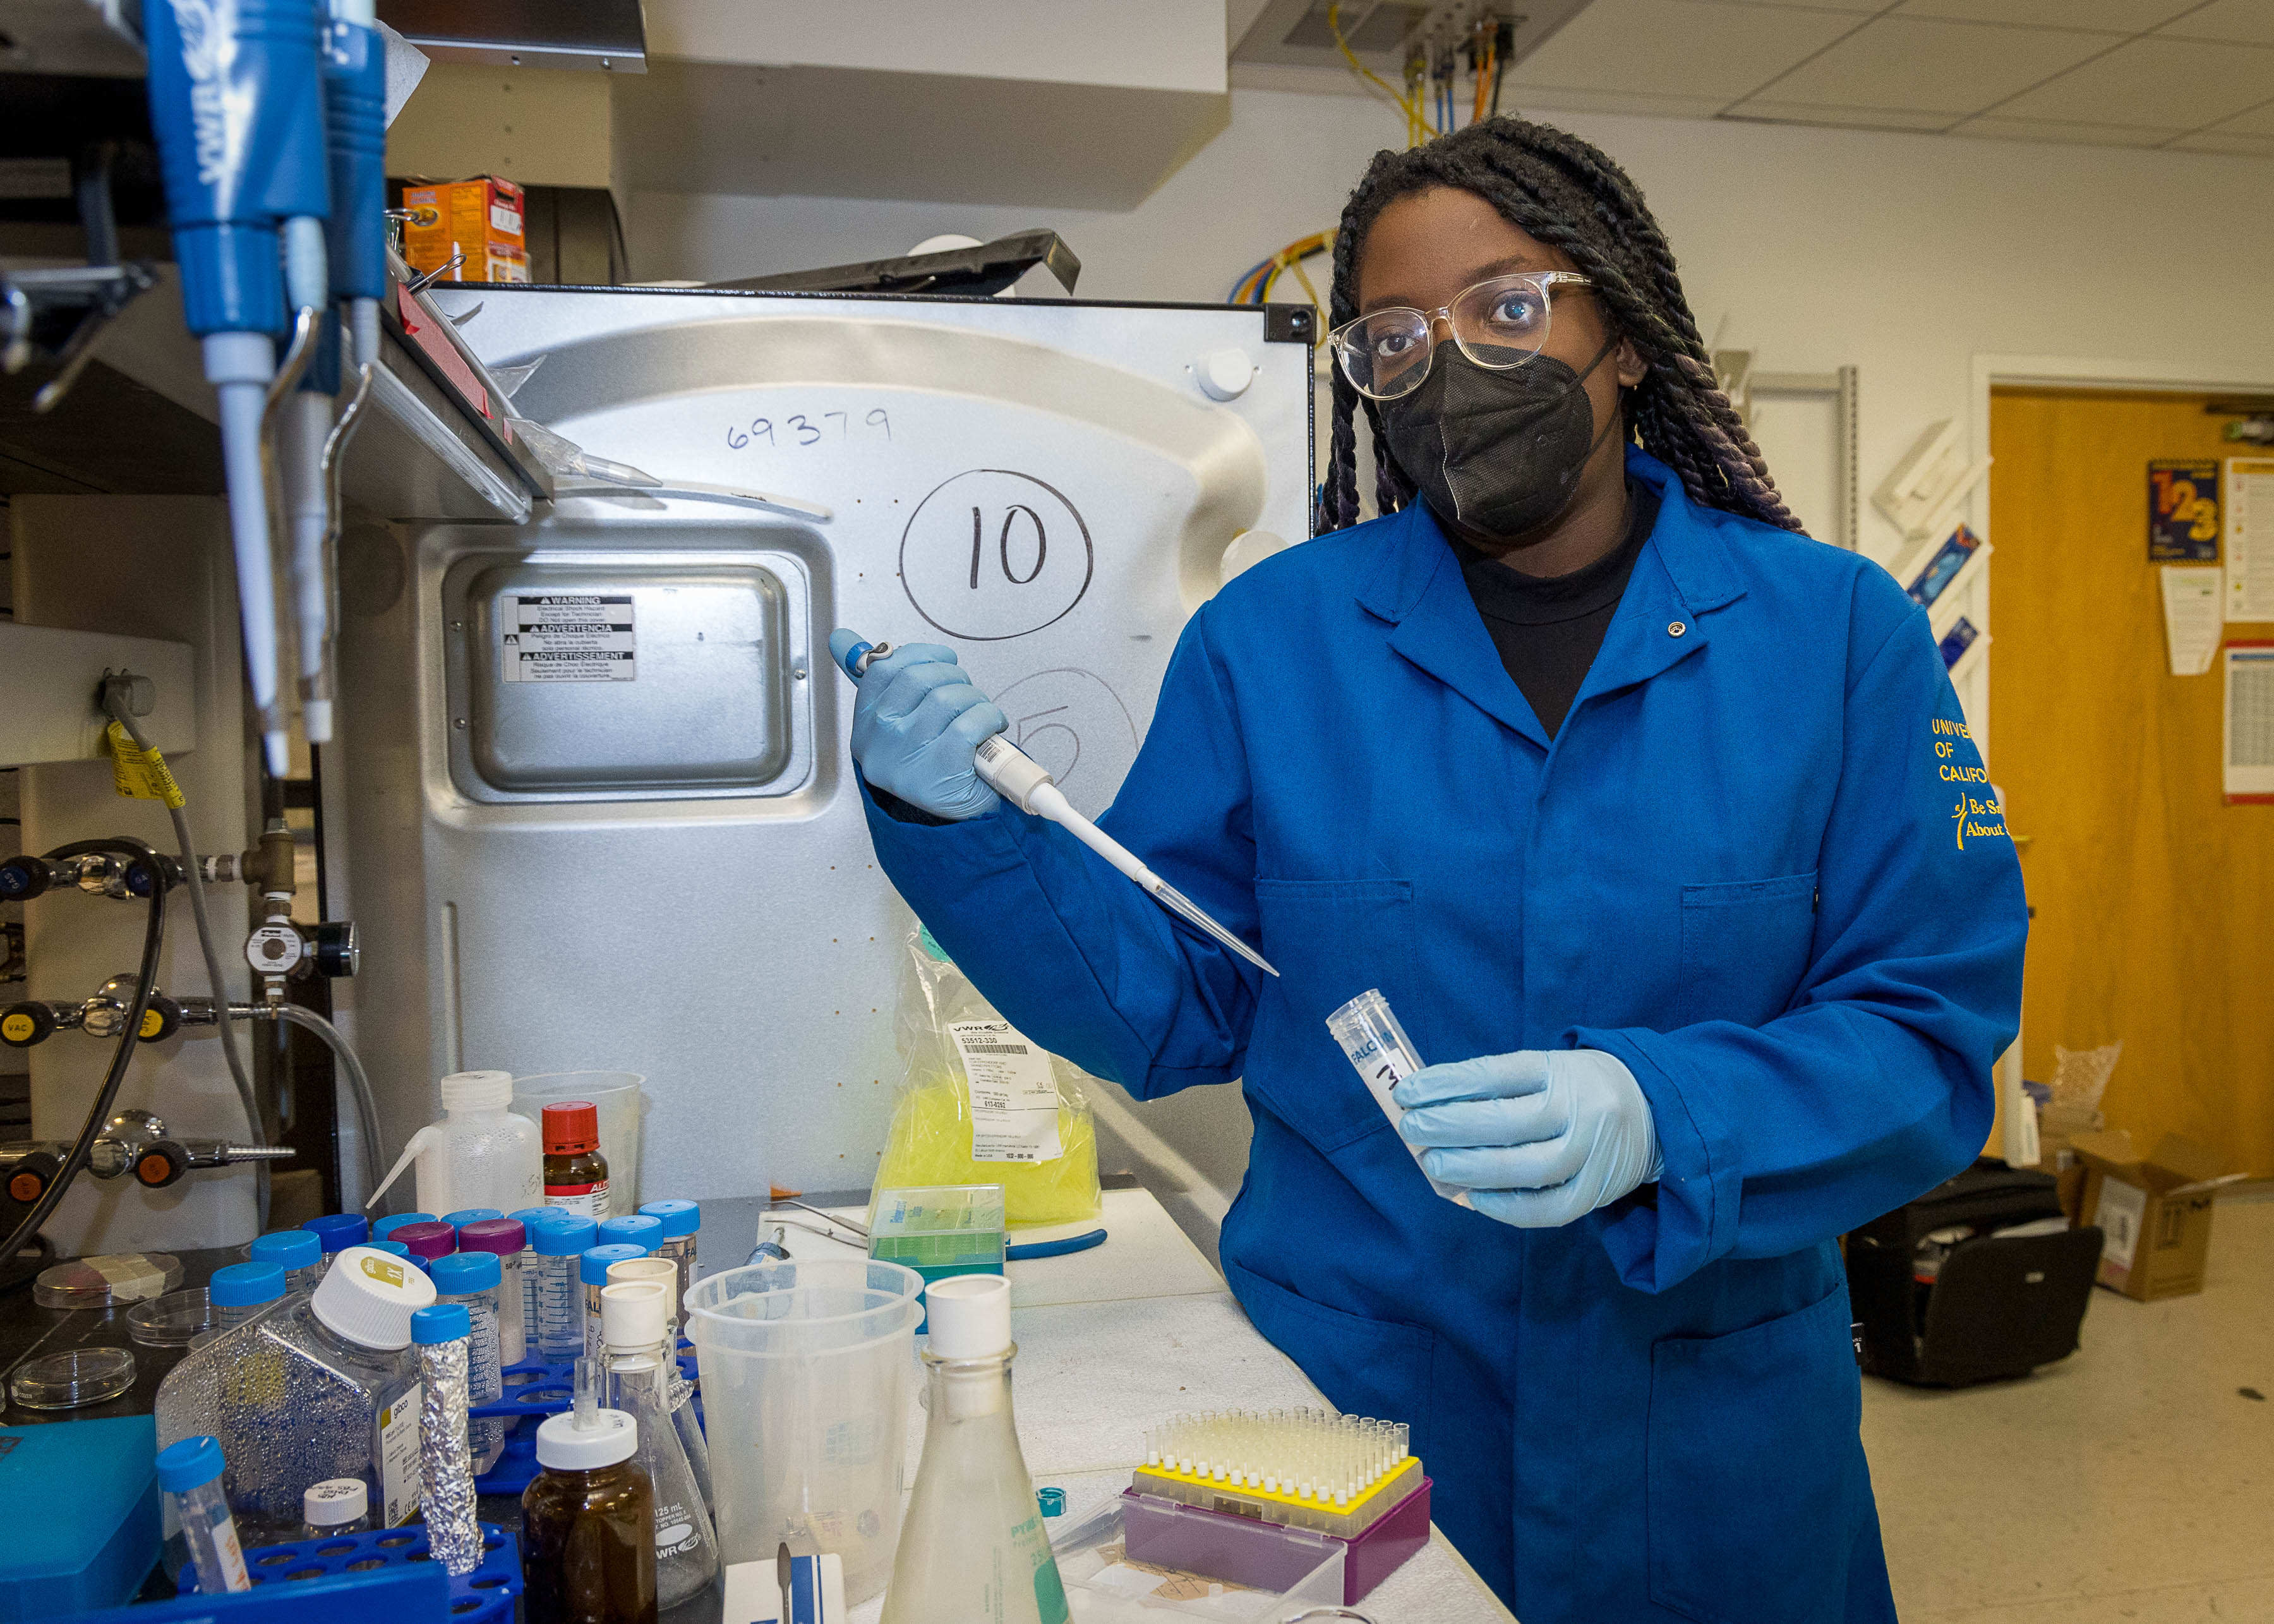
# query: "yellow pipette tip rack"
{"points": [[1305, 1468]]}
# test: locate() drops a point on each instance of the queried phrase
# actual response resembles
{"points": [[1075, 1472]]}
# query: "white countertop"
{"points": [[1115, 1339]]}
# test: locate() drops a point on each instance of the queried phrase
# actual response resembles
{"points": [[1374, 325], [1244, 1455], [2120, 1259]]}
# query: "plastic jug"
{"points": [[479, 1154]]}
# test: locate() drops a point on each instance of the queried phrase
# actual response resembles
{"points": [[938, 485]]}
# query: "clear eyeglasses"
{"points": [[1499, 323]]}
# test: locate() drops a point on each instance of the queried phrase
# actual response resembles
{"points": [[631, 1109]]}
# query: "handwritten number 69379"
{"points": [[808, 433]]}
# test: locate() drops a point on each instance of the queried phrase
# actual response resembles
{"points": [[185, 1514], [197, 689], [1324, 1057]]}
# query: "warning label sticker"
{"points": [[1014, 1097], [567, 637]]}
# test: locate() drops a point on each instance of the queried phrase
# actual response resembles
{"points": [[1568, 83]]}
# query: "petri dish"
{"points": [[172, 1321], [106, 1282], [72, 1380]]}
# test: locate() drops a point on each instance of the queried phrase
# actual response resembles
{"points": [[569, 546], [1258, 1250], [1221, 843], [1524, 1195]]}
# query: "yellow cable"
{"points": [[1365, 73]]}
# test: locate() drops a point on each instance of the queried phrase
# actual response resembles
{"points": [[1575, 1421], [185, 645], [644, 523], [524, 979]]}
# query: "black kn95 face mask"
{"points": [[1497, 452]]}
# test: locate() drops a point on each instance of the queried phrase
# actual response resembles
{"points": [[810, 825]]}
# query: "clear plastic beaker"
{"points": [[806, 1375], [616, 1096]]}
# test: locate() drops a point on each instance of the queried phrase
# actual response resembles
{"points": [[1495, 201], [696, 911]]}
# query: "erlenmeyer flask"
{"points": [[691, 1441], [972, 1547], [633, 1319], [664, 1272]]}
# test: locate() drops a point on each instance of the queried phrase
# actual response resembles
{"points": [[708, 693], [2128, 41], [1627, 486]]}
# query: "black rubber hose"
{"points": [[154, 938]]}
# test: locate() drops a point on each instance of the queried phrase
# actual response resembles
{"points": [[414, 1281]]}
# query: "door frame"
{"points": [[1993, 370]]}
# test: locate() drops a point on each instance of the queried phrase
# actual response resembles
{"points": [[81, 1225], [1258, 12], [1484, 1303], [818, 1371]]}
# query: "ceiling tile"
{"points": [[2220, 141], [2055, 130], [2178, 84], [1853, 7], [2252, 121], [2117, 16], [1898, 62], [1677, 48], [2246, 21], [1756, 110]]}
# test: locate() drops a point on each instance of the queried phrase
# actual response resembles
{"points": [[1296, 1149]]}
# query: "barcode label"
{"points": [[1015, 1095]]}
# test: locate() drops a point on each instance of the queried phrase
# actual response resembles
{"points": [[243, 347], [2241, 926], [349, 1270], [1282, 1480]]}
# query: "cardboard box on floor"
{"points": [[2154, 1211]]}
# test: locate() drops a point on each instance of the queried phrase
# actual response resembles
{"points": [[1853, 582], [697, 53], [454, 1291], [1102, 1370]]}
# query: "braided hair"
{"points": [[1570, 196]]}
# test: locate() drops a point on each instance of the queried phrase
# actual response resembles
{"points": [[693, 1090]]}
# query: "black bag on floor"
{"points": [[1945, 1302]]}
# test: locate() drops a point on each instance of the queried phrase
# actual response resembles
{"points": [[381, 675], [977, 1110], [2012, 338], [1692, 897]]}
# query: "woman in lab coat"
{"points": [[1656, 820]]}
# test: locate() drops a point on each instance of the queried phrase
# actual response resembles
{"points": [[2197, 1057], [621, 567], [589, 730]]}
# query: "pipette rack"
{"points": [[1306, 1468], [1350, 1478]]}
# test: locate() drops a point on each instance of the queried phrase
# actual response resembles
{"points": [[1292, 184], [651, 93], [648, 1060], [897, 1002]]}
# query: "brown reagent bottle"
{"points": [[575, 1173], [588, 1524]]}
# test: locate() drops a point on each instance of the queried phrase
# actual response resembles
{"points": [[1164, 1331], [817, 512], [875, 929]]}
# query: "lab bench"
{"points": [[1111, 1341], [1114, 1341]]}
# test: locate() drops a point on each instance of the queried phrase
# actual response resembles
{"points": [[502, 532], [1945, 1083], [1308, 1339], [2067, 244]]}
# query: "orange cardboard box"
{"points": [[480, 218], [2153, 1211]]}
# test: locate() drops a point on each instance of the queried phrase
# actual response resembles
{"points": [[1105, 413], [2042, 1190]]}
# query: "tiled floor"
{"points": [[2131, 1482]]}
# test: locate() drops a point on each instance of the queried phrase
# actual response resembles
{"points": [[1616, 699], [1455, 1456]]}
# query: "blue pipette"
{"points": [[1024, 782]]}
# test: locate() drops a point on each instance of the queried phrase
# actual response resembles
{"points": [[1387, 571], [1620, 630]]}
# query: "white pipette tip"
{"points": [[278, 748]]}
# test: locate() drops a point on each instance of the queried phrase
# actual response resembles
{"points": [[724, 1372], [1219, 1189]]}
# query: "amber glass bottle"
{"points": [[588, 1526], [575, 1173]]}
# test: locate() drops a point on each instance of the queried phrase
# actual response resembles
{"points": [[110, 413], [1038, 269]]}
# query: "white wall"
{"points": [[1907, 255]]}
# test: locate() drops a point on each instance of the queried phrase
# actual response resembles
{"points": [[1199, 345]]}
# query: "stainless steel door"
{"points": [[667, 871]]}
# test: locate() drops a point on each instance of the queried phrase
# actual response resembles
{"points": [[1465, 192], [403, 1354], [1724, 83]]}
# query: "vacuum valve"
{"points": [[137, 1142]]}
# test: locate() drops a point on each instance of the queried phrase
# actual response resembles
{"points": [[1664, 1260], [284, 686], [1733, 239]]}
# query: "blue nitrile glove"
{"points": [[916, 724], [1539, 1137]]}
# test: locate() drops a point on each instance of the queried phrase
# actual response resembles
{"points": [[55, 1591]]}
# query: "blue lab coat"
{"points": [[1760, 863]]}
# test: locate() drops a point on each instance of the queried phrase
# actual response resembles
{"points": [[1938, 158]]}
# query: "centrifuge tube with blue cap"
{"points": [[1383, 1057], [1027, 785]]}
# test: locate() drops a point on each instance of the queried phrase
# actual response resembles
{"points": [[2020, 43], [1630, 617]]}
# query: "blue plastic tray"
{"points": [[485, 1595], [546, 1388], [535, 1389]]}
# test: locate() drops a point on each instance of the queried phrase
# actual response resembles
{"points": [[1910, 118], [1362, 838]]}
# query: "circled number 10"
{"points": [[798, 431]]}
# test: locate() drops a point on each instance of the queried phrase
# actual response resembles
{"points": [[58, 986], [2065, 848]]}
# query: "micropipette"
{"points": [[1024, 782]]}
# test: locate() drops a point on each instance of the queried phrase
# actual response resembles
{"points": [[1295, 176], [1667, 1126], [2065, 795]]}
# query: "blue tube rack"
{"points": [[534, 1389], [333, 1571]]}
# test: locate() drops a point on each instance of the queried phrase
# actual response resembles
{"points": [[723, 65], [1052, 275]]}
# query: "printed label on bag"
{"points": [[1014, 1097], [398, 1458], [2119, 1213], [567, 637]]}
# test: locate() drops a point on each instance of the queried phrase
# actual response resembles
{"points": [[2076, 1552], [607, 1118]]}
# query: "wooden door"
{"points": [[2154, 900]]}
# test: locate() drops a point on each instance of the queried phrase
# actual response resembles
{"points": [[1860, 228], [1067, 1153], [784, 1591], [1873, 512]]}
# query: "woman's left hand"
{"points": [[1539, 1137]]}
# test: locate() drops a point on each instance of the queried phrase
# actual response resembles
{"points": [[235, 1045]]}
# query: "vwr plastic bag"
{"points": [[982, 1104]]}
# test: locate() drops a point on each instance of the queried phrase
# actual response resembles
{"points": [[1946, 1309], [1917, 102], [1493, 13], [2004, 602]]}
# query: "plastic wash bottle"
{"points": [[479, 1154]]}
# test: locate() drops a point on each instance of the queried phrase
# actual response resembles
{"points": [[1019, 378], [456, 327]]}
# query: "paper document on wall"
{"points": [[2191, 617], [2250, 721], [2250, 538]]}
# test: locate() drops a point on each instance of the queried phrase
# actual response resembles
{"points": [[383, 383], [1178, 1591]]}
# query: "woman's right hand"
{"points": [[917, 724]]}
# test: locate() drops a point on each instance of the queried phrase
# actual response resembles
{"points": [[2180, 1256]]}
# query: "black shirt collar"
{"points": [[1507, 594]]}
